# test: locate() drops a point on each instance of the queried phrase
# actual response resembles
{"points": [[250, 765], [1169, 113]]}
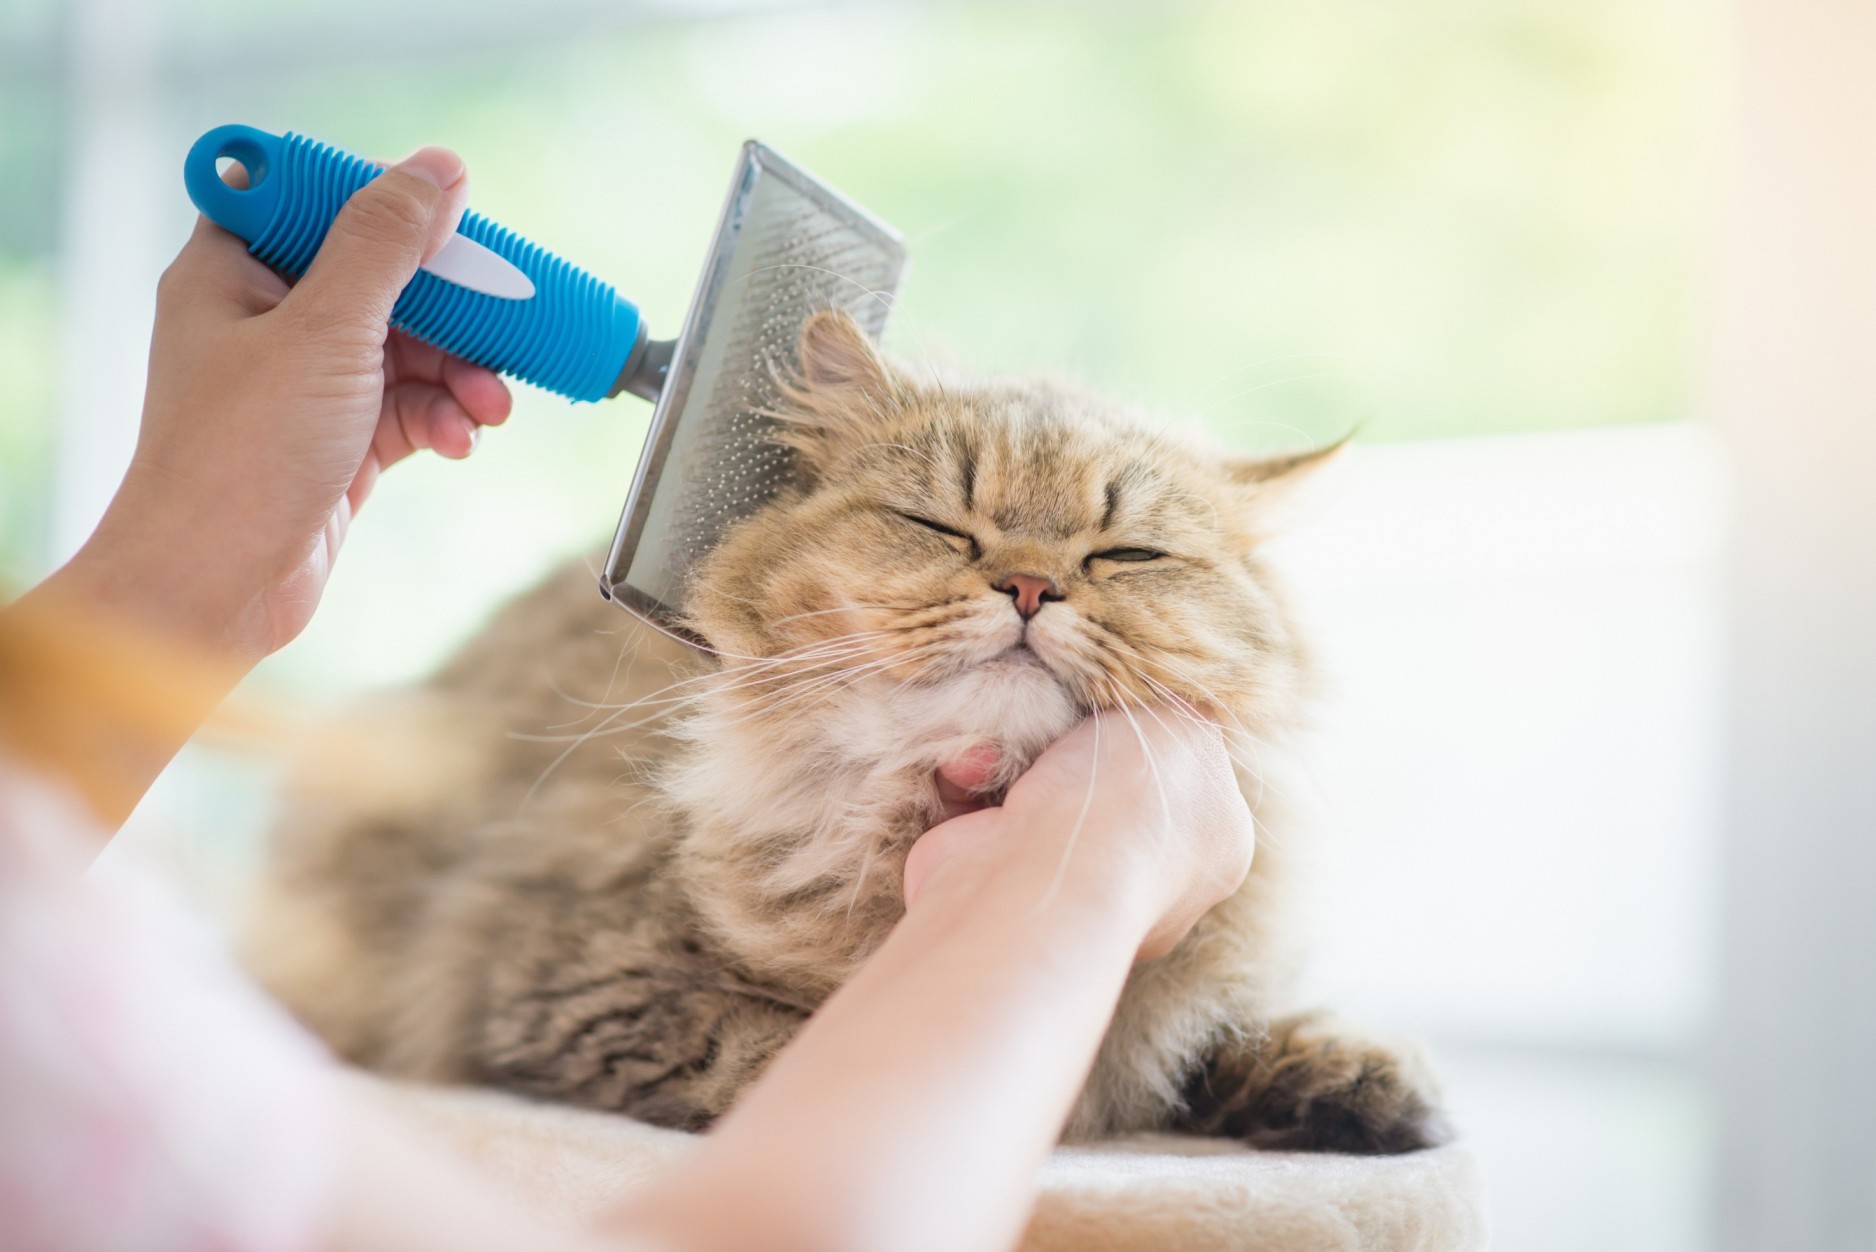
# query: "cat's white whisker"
{"points": [[856, 607], [846, 677], [860, 880], [672, 703], [631, 647], [1081, 819], [797, 688], [1249, 768], [1152, 763], [608, 726]]}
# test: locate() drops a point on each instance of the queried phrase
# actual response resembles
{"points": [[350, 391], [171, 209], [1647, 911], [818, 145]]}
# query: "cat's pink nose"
{"points": [[1030, 591]]}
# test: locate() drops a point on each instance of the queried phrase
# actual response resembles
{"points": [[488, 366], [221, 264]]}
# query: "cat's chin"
{"points": [[1012, 699]]}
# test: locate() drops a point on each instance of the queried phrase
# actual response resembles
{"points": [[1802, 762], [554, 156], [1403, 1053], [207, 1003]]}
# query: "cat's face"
{"points": [[1022, 533]]}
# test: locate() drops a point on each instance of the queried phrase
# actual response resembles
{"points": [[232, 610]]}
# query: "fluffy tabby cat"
{"points": [[584, 863]]}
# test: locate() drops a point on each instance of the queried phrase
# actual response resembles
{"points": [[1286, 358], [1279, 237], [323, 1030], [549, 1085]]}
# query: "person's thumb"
{"points": [[389, 227], [946, 842]]}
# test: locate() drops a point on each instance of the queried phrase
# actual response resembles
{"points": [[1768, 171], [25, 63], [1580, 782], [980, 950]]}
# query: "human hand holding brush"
{"points": [[271, 411]]}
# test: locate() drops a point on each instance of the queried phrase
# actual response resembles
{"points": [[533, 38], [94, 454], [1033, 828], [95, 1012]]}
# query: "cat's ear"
{"points": [[839, 395], [836, 355], [1283, 469]]}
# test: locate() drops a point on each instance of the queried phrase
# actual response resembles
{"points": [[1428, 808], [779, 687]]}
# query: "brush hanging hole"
{"points": [[241, 165]]}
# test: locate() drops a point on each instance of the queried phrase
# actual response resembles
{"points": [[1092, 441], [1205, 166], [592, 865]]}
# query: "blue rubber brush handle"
{"points": [[573, 336]]}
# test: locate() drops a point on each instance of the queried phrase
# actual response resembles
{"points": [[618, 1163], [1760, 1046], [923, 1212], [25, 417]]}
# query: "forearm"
{"points": [[187, 571], [132, 658], [916, 1106], [397, 1192]]}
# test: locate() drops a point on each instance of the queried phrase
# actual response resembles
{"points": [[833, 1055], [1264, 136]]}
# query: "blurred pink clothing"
{"points": [[151, 1096]]}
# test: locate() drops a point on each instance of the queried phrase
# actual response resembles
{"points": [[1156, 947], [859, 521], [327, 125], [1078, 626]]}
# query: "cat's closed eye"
{"points": [[947, 531], [1126, 554]]}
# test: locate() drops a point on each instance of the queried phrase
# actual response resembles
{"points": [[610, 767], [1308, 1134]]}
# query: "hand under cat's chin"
{"points": [[989, 856], [968, 782]]}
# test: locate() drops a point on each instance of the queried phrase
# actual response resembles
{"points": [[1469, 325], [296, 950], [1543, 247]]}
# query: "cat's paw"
{"points": [[1309, 1086]]}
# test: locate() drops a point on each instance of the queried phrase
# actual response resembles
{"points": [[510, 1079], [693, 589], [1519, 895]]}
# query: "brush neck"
{"points": [[646, 368]]}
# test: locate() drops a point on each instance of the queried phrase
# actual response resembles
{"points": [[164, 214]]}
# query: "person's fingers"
{"points": [[481, 392], [1122, 755], [408, 357], [965, 781], [419, 415], [1073, 763], [337, 524], [414, 416], [214, 272], [362, 483], [453, 433], [409, 421], [401, 423], [953, 793], [944, 842], [386, 230], [972, 770], [954, 801]]}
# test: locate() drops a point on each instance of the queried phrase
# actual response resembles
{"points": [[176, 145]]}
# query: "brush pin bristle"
{"points": [[786, 248]]}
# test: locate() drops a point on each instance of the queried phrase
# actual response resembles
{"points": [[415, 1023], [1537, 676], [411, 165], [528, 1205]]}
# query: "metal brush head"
{"points": [[786, 247]]}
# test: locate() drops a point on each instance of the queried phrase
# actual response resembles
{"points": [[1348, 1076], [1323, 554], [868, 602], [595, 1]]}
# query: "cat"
{"points": [[592, 864]]}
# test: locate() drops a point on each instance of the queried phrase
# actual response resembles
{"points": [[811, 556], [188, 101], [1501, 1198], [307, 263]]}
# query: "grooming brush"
{"points": [[787, 246]]}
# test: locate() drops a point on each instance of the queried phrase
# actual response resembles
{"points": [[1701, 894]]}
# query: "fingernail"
{"points": [[439, 167], [475, 434]]}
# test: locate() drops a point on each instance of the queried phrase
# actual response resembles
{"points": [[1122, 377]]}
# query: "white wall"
{"points": [[1519, 765], [1795, 384]]}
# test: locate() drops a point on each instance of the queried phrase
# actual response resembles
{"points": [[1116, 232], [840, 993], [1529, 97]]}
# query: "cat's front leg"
{"points": [[673, 1043], [1308, 1085]]}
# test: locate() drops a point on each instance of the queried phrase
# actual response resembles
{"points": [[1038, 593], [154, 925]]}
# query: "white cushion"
{"points": [[1162, 1193]]}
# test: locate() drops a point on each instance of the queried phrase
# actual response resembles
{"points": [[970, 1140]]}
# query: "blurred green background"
{"points": [[1283, 219]]}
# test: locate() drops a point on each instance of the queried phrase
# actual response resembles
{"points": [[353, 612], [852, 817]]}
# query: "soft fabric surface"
{"points": [[1160, 1193]]}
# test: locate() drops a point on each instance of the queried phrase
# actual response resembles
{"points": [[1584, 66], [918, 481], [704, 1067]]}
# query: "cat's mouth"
{"points": [[1022, 658], [1019, 653]]}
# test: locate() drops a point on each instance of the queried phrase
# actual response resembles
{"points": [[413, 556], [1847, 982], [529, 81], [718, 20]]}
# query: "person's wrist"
{"points": [[180, 563], [1122, 887], [1039, 862]]}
